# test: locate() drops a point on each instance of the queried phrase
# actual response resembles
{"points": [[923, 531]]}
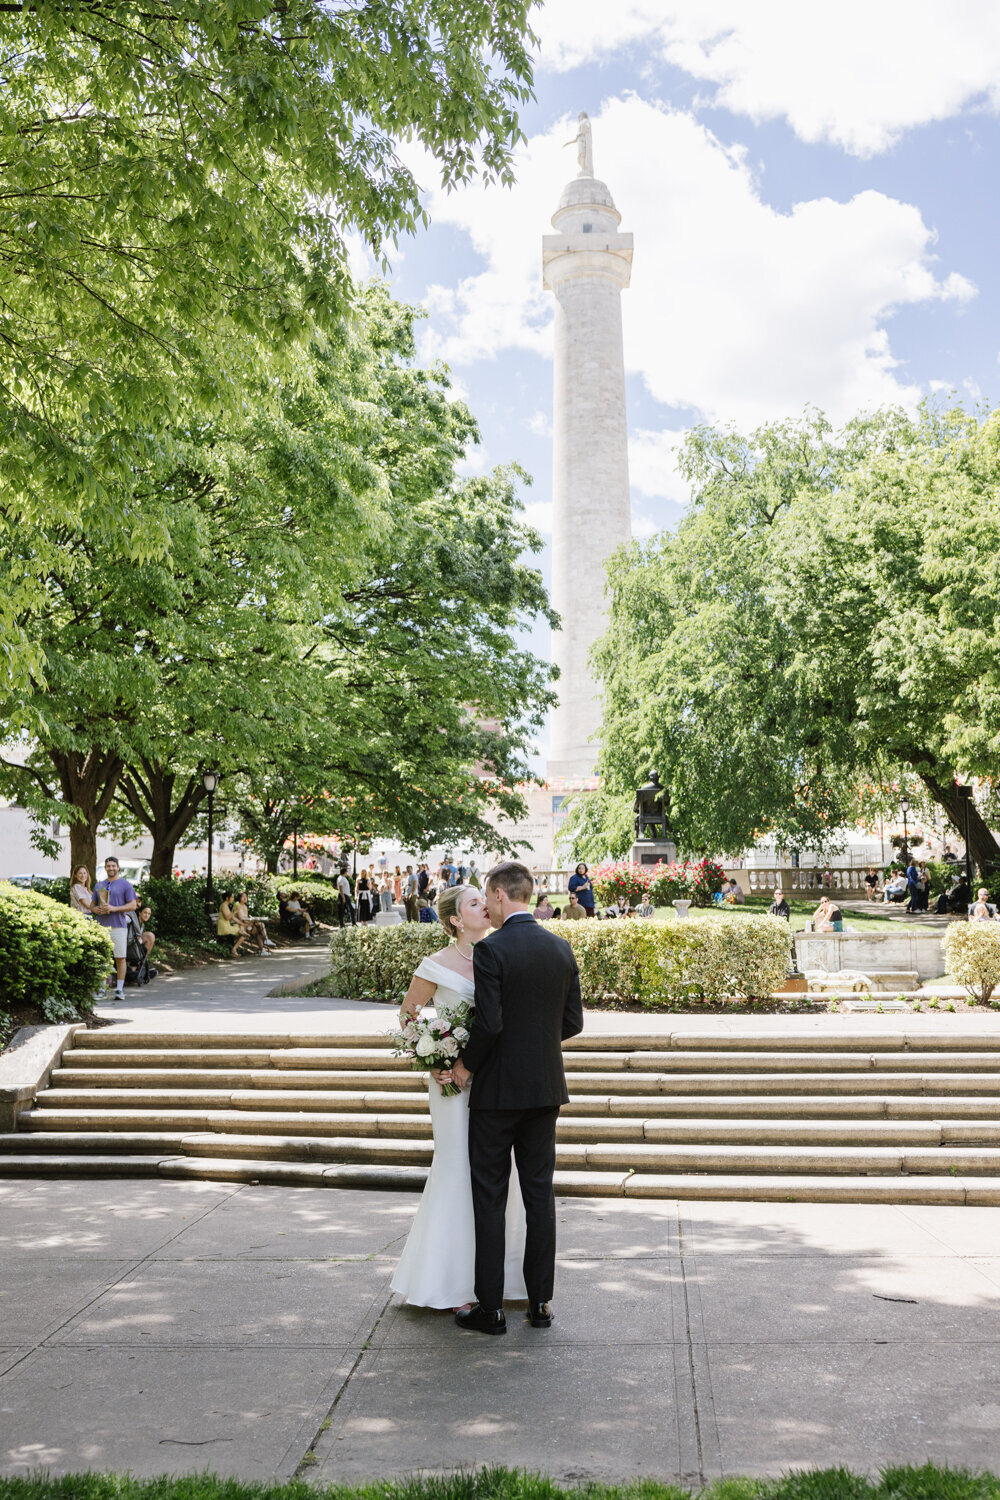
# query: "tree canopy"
{"points": [[334, 619], [824, 620], [178, 184]]}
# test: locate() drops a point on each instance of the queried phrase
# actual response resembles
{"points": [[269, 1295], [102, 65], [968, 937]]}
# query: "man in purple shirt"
{"points": [[113, 898]]}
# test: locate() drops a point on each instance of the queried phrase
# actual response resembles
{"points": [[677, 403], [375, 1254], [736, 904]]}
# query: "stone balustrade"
{"points": [[845, 881]]}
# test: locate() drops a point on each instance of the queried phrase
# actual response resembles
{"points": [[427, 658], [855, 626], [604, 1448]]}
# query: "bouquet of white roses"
{"points": [[434, 1042]]}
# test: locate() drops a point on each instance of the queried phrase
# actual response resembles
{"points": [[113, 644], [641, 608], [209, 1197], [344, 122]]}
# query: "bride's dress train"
{"points": [[437, 1266]]}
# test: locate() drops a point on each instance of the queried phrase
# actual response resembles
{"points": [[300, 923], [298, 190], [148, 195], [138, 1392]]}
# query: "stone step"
{"points": [[322, 1062], [671, 1157], [84, 1125], [957, 1038], [412, 1098], [780, 1188]]}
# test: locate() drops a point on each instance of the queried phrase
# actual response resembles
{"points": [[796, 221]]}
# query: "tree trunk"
{"points": [[88, 782], [271, 864], [982, 844], [148, 793], [82, 846], [161, 861]]}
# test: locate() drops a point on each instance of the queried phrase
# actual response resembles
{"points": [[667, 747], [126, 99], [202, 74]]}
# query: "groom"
{"points": [[527, 1002]]}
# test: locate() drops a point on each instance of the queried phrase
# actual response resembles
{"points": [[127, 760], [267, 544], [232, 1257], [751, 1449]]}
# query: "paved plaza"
{"points": [[177, 1326], [163, 1326]]}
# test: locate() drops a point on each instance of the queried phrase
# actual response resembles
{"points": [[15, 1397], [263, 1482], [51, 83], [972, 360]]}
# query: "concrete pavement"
{"points": [[177, 1326], [172, 1327]]}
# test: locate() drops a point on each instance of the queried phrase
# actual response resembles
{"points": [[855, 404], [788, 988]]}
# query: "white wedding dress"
{"points": [[437, 1266]]}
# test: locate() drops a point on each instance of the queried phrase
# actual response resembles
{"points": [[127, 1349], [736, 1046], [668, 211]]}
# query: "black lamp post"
{"points": [[965, 792], [210, 780], [904, 808], [295, 848]]}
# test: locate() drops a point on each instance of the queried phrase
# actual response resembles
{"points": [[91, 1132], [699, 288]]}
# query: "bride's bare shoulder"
{"points": [[445, 960]]}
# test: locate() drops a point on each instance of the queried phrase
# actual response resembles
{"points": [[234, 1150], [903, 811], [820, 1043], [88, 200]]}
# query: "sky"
{"points": [[812, 191]]}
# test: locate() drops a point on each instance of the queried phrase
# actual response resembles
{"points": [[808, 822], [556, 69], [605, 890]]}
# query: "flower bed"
{"points": [[684, 880], [653, 964]]}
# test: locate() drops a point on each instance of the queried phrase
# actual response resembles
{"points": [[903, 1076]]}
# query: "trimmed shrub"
{"points": [[972, 954], [50, 956], [178, 906], [628, 962], [318, 893], [377, 963], [686, 880]]}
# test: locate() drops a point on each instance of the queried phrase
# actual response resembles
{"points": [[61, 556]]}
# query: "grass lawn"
{"points": [[927, 1482], [873, 919]]}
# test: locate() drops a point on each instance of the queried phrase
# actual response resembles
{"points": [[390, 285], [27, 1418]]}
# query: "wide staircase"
{"points": [[863, 1118]]}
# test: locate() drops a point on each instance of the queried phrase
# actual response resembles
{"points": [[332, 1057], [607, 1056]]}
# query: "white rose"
{"points": [[449, 1046], [426, 1047], [460, 1034]]}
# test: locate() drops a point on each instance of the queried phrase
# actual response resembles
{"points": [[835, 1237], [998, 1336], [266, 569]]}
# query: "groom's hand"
{"points": [[461, 1074]]}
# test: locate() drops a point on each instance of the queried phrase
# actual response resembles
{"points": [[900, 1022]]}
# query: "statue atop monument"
{"points": [[584, 142]]}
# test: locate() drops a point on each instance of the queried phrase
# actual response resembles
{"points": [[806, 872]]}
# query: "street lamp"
{"points": [[209, 780], [904, 808], [295, 847]]}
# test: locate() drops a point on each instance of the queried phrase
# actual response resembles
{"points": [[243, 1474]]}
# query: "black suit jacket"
{"points": [[527, 1001]]}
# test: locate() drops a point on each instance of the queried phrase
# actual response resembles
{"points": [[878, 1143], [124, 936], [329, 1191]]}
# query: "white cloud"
{"points": [[476, 460], [856, 74], [643, 527], [540, 423], [737, 311], [539, 514], [652, 464]]}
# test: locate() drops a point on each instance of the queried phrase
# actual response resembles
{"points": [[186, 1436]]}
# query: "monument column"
{"points": [[586, 264]]}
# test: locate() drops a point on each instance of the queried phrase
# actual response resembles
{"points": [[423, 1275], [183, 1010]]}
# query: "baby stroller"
{"points": [[137, 969]]}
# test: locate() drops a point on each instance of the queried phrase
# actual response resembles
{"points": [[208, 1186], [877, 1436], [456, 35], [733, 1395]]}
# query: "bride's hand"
{"points": [[442, 1075]]}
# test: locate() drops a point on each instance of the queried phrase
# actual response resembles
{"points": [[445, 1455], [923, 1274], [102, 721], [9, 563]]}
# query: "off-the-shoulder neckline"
{"points": [[444, 969]]}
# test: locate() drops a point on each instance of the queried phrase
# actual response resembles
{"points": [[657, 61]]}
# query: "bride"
{"points": [[437, 1266]]}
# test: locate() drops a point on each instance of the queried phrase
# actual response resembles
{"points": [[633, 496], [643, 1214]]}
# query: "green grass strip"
{"points": [[927, 1482]]}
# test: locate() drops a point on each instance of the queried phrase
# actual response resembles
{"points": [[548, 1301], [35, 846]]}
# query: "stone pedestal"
{"points": [[654, 852]]}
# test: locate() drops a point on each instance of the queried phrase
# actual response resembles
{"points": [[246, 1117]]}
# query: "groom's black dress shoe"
{"points": [[539, 1315], [480, 1319]]}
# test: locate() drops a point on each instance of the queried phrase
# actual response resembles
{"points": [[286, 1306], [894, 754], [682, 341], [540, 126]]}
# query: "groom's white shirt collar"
{"points": [[511, 914]]}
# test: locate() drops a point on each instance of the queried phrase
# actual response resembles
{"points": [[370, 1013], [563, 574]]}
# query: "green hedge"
{"points": [[50, 956], [377, 963], [628, 962], [318, 893]]}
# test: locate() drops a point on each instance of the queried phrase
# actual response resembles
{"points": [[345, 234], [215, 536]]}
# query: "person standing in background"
{"points": [[81, 896], [111, 902]]}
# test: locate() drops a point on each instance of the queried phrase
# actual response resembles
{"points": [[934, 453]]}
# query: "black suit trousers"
{"points": [[531, 1135]]}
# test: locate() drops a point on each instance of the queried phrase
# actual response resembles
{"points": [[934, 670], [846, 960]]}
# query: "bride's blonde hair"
{"points": [[449, 906]]}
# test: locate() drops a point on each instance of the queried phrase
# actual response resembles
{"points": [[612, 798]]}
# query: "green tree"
{"points": [[335, 616], [793, 639], [178, 184]]}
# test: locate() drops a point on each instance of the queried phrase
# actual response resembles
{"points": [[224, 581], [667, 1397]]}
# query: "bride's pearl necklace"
{"points": [[466, 956]]}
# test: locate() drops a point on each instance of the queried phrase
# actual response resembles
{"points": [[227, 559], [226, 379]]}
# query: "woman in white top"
{"points": [[80, 894], [438, 1263]]}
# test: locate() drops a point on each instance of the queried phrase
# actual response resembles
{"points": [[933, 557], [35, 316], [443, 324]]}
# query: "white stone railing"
{"points": [[844, 881]]}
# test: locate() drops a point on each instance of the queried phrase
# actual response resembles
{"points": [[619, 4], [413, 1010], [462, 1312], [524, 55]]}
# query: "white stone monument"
{"points": [[586, 265]]}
